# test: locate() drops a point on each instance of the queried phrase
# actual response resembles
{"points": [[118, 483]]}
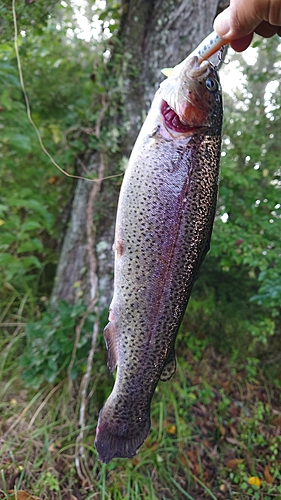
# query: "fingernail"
{"points": [[222, 23]]}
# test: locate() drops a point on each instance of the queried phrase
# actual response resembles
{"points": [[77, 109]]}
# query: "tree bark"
{"points": [[153, 34]]}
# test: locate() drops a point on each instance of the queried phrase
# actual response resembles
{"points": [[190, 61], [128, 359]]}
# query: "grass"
{"points": [[215, 434]]}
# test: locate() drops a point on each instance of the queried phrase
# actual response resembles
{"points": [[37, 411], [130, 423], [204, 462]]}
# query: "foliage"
{"points": [[33, 193], [50, 342], [32, 16], [247, 228]]}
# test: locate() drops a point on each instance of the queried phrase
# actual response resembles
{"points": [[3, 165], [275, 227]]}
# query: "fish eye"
{"points": [[211, 84]]}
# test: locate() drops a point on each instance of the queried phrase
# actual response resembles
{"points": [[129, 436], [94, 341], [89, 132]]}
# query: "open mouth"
{"points": [[172, 120]]}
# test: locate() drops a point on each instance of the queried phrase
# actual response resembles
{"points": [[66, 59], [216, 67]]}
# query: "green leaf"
{"points": [[31, 261], [30, 225], [21, 141], [6, 259], [6, 100], [30, 246]]}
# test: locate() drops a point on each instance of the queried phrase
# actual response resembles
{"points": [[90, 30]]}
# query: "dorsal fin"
{"points": [[110, 340], [169, 366]]}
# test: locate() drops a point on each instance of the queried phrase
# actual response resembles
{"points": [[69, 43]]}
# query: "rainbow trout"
{"points": [[164, 222]]}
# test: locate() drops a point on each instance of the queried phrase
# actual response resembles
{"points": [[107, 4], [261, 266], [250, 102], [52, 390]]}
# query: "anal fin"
{"points": [[169, 366], [110, 340]]}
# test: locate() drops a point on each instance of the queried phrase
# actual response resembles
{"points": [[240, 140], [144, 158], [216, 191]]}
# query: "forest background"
{"points": [[90, 71]]}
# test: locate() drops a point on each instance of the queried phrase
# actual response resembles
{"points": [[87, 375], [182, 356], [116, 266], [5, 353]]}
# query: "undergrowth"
{"points": [[214, 434]]}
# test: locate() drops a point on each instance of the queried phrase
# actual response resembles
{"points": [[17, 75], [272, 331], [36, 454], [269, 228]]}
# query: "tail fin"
{"points": [[122, 441]]}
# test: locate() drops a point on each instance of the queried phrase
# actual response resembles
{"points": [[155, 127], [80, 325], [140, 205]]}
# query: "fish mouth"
{"points": [[184, 107], [173, 121]]}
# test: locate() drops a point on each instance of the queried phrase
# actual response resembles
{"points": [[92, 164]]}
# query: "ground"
{"points": [[215, 434]]}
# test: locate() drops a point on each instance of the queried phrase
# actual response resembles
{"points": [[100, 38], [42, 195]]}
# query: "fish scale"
{"points": [[163, 229]]}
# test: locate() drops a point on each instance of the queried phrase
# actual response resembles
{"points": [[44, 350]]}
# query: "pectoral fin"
{"points": [[170, 366], [110, 340]]}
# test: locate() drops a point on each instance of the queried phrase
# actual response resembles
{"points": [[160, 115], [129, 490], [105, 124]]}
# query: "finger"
{"points": [[236, 22], [241, 43], [266, 30], [274, 13], [242, 17]]}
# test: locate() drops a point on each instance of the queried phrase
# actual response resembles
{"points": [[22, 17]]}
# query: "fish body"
{"points": [[163, 229]]}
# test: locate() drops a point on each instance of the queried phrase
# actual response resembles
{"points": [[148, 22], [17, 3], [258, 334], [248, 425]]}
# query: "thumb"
{"points": [[238, 20]]}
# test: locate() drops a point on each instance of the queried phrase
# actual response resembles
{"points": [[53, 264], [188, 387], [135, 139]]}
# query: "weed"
{"points": [[191, 450], [49, 344]]}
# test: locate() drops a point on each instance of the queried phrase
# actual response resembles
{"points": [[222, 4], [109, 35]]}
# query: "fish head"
{"points": [[191, 99]]}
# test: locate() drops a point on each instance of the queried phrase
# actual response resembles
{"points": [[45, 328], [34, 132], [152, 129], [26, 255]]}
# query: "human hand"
{"points": [[242, 18]]}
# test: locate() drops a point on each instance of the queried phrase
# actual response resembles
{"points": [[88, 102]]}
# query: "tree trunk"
{"points": [[153, 34]]}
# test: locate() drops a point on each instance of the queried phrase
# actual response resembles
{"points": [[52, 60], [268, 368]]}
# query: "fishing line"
{"points": [[28, 110]]}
